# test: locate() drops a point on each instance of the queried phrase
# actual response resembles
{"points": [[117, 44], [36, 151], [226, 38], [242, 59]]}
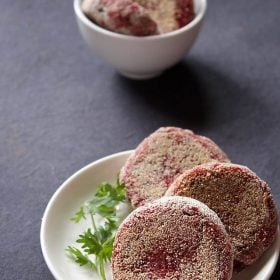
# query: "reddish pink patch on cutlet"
{"points": [[185, 12]]}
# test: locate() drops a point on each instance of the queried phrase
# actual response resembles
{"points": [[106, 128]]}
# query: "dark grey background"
{"points": [[61, 107]]}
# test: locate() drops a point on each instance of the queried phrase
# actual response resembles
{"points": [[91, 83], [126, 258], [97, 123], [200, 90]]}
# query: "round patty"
{"points": [[161, 158], [172, 238], [242, 201]]}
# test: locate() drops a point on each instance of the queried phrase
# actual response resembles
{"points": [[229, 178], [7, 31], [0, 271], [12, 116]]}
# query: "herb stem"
{"points": [[101, 270], [93, 223], [98, 240]]}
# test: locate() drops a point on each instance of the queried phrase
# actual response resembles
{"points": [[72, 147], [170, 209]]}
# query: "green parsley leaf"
{"points": [[78, 215], [98, 241], [107, 248], [79, 257], [90, 243]]}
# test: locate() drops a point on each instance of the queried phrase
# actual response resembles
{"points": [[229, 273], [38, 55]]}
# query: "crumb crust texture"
{"points": [[161, 158], [139, 17], [174, 238], [241, 199]]}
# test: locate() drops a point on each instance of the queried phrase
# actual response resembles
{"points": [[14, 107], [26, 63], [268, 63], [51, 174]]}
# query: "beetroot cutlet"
{"points": [[240, 198], [160, 158], [174, 238], [140, 17]]}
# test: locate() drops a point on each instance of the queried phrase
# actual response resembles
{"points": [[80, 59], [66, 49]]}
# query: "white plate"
{"points": [[57, 231]]}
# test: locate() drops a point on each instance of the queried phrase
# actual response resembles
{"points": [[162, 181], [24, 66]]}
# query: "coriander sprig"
{"points": [[97, 242]]}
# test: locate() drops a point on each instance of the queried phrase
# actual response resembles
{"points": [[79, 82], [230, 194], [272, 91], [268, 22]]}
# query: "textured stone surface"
{"points": [[61, 107]]}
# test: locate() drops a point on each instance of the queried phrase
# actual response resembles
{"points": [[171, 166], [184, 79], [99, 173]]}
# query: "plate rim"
{"points": [[56, 194]]}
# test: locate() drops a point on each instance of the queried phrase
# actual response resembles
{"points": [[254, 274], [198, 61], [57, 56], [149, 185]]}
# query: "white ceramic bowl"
{"points": [[140, 57]]}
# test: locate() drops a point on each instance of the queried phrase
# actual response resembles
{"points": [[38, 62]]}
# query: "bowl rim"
{"points": [[82, 17]]}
